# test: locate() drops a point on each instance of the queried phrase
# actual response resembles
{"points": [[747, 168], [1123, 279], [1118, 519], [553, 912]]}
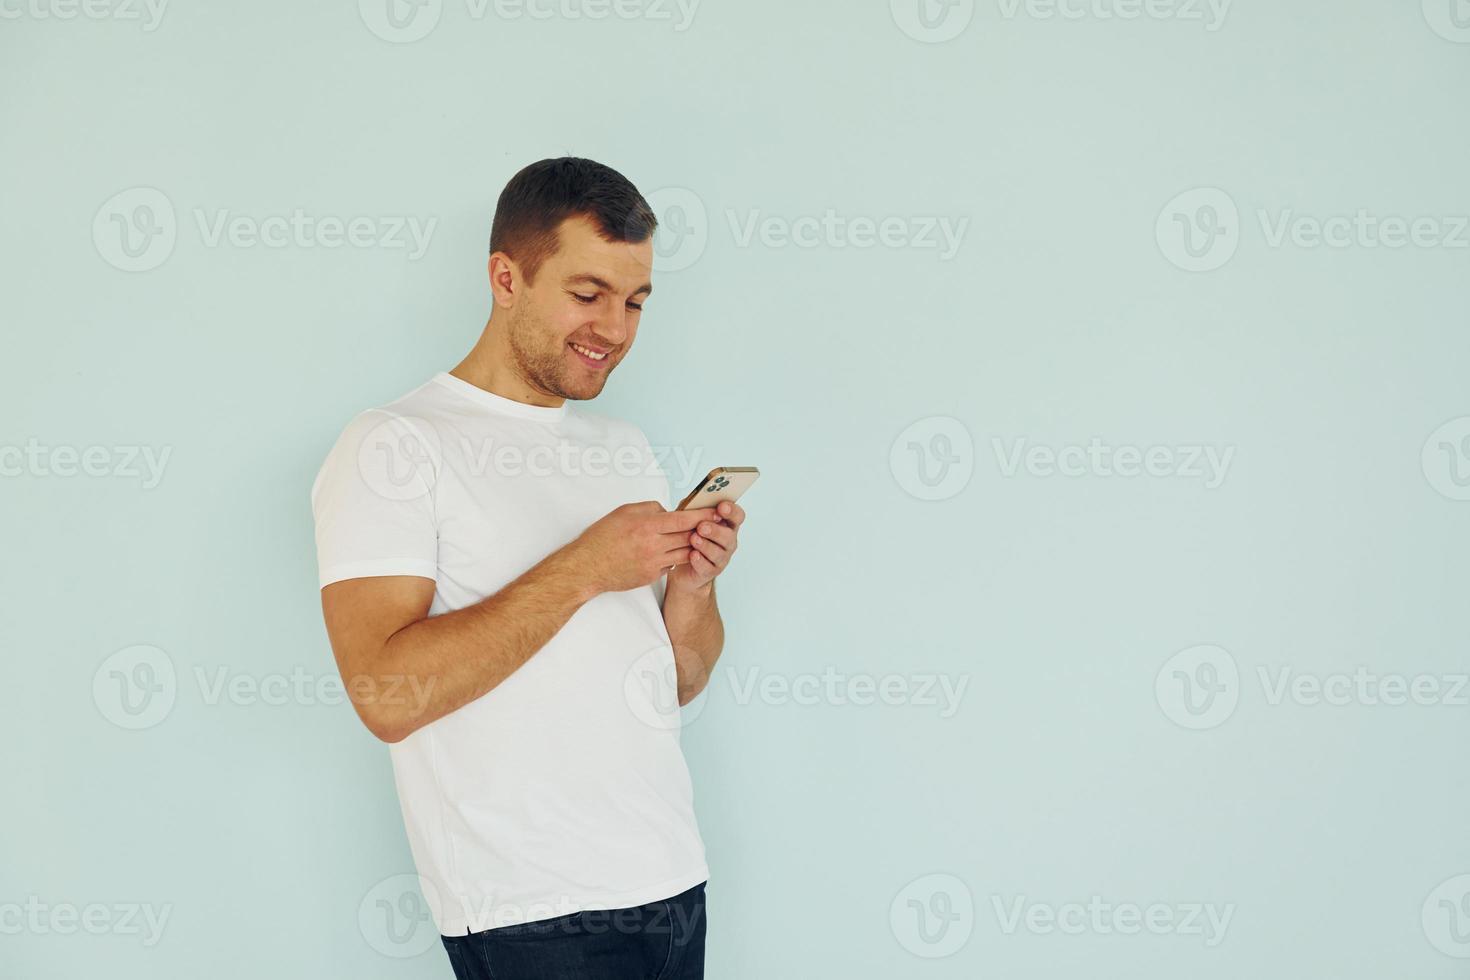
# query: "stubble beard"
{"points": [[543, 369]]}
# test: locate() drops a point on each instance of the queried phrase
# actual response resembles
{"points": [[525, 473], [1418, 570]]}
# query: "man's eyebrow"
{"points": [[646, 289]]}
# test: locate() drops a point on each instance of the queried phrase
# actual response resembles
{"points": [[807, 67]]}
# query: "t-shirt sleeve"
{"points": [[373, 500]]}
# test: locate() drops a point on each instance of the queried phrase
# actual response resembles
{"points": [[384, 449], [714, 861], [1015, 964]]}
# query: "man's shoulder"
{"points": [[429, 398], [409, 419], [420, 407], [433, 406]]}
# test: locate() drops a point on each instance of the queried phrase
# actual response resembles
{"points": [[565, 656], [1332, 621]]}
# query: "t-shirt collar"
{"points": [[500, 404]]}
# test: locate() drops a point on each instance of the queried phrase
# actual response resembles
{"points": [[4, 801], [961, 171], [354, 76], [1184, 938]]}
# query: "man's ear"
{"points": [[505, 278]]}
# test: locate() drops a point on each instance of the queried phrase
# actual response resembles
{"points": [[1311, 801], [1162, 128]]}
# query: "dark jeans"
{"points": [[658, 941]]}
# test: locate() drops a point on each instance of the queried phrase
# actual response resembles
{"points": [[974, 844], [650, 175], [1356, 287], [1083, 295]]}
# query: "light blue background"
{"points": [[1328, 546]]}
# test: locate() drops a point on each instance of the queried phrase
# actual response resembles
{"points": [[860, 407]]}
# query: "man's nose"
{"points": [[613, 328]]}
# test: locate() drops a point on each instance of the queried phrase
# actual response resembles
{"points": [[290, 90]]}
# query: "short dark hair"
{"points": [[543, 195]]}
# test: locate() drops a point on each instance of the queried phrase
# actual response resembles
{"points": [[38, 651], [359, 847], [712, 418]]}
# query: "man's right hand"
{"points": [[634, 544]]}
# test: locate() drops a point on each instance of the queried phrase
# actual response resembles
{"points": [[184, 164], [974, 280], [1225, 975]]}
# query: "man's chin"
{"points": [[582, 391]]}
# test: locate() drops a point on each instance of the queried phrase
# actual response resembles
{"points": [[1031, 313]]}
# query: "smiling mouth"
{"points": [[588, 356]]}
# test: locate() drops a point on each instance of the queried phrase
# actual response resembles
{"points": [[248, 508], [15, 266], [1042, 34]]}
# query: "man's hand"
{"points": [[711, 544], [632, 545]]}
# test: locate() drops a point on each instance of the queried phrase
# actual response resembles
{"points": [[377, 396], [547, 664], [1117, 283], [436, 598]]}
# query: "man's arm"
{"points": [[404, 669], [698, 636], [691, 612]]}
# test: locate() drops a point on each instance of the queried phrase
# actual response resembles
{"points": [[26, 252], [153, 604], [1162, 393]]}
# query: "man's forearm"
{"points": [[698, 636], [462, 655]]}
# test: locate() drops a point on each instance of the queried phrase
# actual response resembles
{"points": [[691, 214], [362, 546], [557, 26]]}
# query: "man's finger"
{"points": [[675, 541], [682, 520], [719, 533], [704, 546], [732, 513]]}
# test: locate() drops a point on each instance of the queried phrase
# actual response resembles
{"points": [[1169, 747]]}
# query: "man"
{"points": [[514, 609]]}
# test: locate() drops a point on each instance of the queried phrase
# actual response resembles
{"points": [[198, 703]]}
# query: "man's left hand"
{"points": [[714, 543]]}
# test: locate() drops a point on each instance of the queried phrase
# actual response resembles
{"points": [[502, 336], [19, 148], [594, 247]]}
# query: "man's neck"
{"points": [[489, 365]]}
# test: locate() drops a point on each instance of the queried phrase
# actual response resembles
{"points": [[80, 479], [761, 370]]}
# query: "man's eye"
{"points": [[585, 299], [635, 306]]}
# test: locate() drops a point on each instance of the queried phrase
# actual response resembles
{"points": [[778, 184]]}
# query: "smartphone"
{"points": [[722, 483]]}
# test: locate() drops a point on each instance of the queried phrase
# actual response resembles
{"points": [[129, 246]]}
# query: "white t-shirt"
{"points": [[564, 788]]}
